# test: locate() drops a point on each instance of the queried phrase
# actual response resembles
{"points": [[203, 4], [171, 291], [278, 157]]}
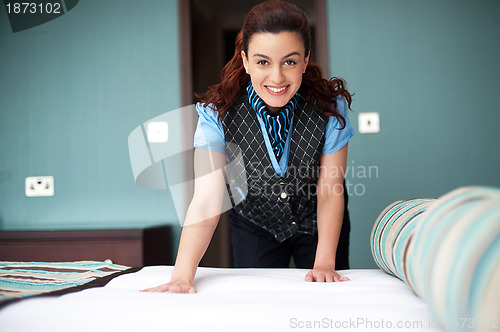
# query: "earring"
{"points": [[246, 70]]}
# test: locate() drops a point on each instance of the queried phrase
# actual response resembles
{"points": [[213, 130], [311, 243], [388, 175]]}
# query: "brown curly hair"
{"points": [[276, 16]]}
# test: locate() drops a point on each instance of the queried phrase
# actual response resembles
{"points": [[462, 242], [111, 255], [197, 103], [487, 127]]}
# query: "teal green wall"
{"points": [[431, 69], [71, 92]]}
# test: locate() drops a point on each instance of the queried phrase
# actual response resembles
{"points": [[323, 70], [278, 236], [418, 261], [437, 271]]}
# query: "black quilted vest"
{"points": [[281, 205]]}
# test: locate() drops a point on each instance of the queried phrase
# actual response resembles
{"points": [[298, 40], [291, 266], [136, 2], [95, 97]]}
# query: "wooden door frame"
{"points": [[321, 38]]}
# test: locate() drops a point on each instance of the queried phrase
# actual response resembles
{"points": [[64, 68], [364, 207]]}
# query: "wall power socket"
{"points": [[37, 186]]}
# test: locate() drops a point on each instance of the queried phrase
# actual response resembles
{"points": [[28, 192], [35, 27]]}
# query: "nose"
{"points": [[277, 75]]}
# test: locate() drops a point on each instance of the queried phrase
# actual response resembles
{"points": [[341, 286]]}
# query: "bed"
{"points": [[228, 300], [439, 263]]}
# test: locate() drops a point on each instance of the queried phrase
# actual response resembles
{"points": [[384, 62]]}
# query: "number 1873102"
{"points": [[33, 8]]}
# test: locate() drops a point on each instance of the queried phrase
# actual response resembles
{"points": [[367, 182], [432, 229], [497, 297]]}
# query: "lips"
{"points": [[277, 90]]}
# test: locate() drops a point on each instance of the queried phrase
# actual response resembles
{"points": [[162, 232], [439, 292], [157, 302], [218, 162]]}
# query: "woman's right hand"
{"points": [[173, 287]]}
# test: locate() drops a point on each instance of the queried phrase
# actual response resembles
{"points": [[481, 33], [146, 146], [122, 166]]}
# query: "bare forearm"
{"points": [[194, 241], [330, 216], [201, 220]]}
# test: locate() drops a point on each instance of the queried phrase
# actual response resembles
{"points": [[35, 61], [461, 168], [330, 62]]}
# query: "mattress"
{"points": [[229, 300]]}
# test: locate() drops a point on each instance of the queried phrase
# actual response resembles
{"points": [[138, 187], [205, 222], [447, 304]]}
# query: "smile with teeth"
{"points": [[276, 90]]}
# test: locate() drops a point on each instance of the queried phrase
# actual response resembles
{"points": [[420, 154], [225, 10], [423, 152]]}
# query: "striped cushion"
{"points": [[392, 233], [447, 250]]}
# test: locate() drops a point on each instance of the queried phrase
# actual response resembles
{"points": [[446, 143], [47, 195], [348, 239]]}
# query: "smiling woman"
{"points": [[277, 129]]}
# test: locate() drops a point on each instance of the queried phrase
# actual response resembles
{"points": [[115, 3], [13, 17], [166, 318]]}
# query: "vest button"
{"points": [[294, 223], [283, 195]]}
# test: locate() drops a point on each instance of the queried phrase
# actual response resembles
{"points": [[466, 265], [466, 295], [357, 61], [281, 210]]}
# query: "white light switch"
{"points": [[158, 132], [368, 122]]}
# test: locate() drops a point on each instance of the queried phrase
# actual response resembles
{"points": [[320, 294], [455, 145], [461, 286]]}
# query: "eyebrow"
{"points": [[266, 57]]}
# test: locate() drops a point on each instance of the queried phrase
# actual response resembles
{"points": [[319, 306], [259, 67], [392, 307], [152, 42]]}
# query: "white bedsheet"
{"points": [[229, 300]]}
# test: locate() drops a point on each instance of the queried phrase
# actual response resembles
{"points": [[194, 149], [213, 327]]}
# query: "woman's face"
{"points": [[275, 62]]}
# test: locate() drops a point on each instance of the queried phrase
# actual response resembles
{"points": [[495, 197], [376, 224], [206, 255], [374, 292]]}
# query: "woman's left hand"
{"points": [[324, 275]]}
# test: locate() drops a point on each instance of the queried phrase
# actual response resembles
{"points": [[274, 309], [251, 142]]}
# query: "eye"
{"points": [[290, 63], [262, 62]]}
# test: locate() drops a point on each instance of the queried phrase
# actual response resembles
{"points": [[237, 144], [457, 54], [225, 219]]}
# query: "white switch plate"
{"points": [[158, 132], [369, 122], [36, 186]]}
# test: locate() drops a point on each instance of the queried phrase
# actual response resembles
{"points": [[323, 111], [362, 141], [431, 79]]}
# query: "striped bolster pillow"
{"points": [[448, 251]]}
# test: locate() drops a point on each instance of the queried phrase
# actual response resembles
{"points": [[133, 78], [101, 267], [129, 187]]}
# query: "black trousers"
{"points": [[256, 247]]}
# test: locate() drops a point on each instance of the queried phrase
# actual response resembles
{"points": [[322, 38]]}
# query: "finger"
{"points": [[149, 290], [330, 277], [153, 289], [310, 276], [320, 277], [160, 288], [344, 279], [192, 290]]}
